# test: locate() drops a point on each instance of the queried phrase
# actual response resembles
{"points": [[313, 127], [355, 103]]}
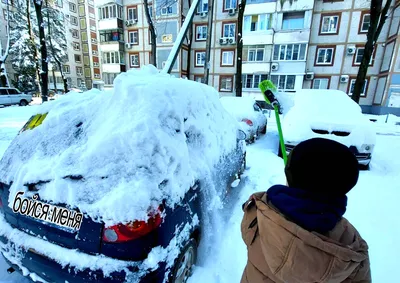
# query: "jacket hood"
{"points": [[294, 254]]}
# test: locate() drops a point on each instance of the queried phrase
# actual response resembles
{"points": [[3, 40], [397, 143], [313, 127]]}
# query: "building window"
{"points": [[329, 24], [83, 23], [284, 82], [59, 3], [72, 7], [82, 10], [74, 20], [229, 4], [66, 69], [109, 78], [226, 83], [134, 60], [229, 30], [79, 71], [254, 53], [365, 21], [325, 56], [84, 36], [227, 58], [113, 57], [166, 11], [85, 48], [78, 58], [252, 81], [76, 46], [203, 6], [293, 20], [151, 11], [134, 37], [75, 33], [132, 13], [86, 60], [257, 22], [320, 83], [200, 58], [201, 33], [199, 78], [110, 12], [290, 52], [359, 56], [111, 35], [363, 90]]}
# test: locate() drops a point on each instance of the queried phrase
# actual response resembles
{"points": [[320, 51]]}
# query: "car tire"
{"points": [[363, 167], [183, 267], [280, 151], [264, 130], [23, 102], [243, 165]]}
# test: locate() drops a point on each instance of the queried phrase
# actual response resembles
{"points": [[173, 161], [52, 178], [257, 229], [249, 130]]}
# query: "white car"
{"points": [[12, 96], [248, 113], [329, 114]]}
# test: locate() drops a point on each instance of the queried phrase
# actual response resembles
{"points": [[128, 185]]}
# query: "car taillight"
{"points": [[121, 233], [248, 122]]}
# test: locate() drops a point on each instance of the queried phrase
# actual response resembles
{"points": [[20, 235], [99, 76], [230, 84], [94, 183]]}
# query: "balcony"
{"points": [[290, 36], [255, 67], [113, 68], [107, 24]]}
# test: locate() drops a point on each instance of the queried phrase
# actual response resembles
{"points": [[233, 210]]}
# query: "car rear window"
{"points": [[12, 91]]}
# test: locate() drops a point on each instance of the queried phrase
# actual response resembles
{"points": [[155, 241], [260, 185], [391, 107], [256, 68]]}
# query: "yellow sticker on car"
{"points": [[33, 122]]}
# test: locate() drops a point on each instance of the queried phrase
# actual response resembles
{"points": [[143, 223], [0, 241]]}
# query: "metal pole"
{"points": [[207, 63], [179, 40]]}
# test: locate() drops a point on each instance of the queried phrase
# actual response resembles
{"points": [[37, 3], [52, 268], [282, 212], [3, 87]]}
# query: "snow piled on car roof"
{"points": [[327, 110], [115, 154], [239, 107]]}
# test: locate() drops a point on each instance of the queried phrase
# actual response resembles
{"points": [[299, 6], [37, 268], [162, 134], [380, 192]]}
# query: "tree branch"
{"points": [[382, 19]]}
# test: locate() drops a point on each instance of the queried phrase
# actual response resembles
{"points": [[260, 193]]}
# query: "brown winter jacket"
{"points": [[281, 251]]}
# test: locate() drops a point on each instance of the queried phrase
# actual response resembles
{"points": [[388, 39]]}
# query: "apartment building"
{"points": [[125, 41], [275, 41], [4, 38], [338, 35], [82, 69]]}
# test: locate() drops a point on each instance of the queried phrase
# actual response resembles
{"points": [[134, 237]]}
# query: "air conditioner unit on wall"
{"points": [[203, 15], [96, 76], [232, 12], [232, 40], [223, 41], [95, 64], [129, 23], [128, 45], [344, 79], [275, 67], [351, 49], [309, 76]]}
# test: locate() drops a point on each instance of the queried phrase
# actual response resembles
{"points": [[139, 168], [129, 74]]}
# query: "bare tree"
{"points": [[239, 61], [378, 18], [3, 57], [207, 63], [32, 43], [54, 53], [153, 35], [44, 72]]}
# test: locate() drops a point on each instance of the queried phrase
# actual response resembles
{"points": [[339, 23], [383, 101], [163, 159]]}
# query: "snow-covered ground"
{"points": [[373, 205]]}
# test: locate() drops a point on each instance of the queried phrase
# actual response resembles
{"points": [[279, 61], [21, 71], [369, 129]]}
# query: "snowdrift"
{"points": [[117, 154]]}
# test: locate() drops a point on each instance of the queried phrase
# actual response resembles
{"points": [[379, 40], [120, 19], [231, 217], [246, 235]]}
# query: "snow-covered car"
{"points": [[117, 186], [12, 96], [329, 114], [248, 113]]}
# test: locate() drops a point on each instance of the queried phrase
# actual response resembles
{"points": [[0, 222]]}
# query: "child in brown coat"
{"points": [[297, 233]]}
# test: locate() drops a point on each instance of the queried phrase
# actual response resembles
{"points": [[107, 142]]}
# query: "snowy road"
{"points": [[373, 205]]}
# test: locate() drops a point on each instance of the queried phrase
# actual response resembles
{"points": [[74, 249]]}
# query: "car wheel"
{"points": [[363, 167], [185, 262], [264, 130], [280, 151], [23, 103], [243, 165]]}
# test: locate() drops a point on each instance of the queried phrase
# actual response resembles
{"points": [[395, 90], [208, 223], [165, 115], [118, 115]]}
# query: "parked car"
{"points": [[12, 96], [91, 249], [329, 114], [249, 115]]}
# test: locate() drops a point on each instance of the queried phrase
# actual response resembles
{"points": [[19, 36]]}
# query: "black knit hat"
{"points": [[322, 166]]}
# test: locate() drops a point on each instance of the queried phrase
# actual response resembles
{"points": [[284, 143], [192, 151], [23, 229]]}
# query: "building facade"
{"points": [[82, 69], [338, 35]]}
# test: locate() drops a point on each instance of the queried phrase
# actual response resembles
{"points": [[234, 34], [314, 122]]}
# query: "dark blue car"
{"points": [[130, 243]]}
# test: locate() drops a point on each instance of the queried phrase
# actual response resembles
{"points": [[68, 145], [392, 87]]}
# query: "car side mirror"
{"points": [[241, 135]]}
